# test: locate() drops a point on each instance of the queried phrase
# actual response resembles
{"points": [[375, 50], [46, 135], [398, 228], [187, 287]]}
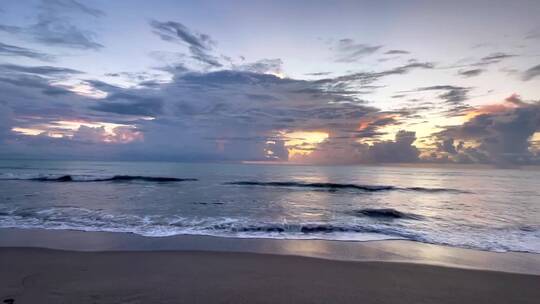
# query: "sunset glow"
{"points": [[27, 131], [102, 131], [303, 142]]}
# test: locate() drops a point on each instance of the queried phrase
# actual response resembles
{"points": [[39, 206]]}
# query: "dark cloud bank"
{"points": [[235, 115], [500, 135], [217, 115]]}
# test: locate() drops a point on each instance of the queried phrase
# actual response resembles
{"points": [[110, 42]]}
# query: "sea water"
{"points": [[486, 209]]}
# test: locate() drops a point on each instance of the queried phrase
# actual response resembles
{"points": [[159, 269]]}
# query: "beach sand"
{"points": [[34, 275], [108, 267]]}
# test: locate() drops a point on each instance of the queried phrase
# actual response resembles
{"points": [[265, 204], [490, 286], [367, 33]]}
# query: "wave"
{"points": [[115, 178], [98, 220], [305, 228], [386, 213], [331, 187], [337, 186], [82, 219]]}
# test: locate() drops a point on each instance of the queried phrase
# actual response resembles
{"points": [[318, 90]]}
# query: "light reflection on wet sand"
{"points": [[388, 251]]}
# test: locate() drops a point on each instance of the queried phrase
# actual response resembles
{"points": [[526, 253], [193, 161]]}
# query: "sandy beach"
{"points": [[31, 275], [97, 267]]}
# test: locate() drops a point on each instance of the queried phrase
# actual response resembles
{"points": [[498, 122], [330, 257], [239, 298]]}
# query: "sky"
{"points": [[311, 82]]}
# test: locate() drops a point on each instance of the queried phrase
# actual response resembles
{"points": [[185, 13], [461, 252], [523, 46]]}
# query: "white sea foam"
{"points": [[72, 218]]}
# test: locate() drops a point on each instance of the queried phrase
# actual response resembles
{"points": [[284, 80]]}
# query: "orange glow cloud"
{"points": [[509, 103], [377, 122], [27, 131], [92, 131], [370, 120], [535, 142], [302, 143], [126, 134]]}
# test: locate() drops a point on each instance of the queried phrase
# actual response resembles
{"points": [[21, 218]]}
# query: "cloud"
{"points": [[470, 72], [6, 121], [531, 73], [261, 97], [99, 135], [277, 150], [514, 100], [453, 94], [479, 66], [204, 57], [497, 134], [90, 134], [401, 150], [55, 26], [447, 145], [175, 31], [16, 51], [38, 70], [10, 29], [348, 151], [396, 52], [33, 82], [130, 104], [54, 6], [263, 66], [366, 79], [410, 66], [318, 74], [196, 116], [349, 51], [495, 58], [371, 126], [533, 34], [60, 33], [199, 45]]}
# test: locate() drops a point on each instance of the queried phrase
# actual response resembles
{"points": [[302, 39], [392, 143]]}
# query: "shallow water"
{"points": [[488, 209]]}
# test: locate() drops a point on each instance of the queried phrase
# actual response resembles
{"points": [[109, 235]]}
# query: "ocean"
{"points": [[485, 209]]}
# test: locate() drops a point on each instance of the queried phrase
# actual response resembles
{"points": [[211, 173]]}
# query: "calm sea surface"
{"points": [[488, 209]]}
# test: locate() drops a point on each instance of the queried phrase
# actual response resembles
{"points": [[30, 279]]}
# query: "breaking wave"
{"points": [[82, 219], [76, 218]]}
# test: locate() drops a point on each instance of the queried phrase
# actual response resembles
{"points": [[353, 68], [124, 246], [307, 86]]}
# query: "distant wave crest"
{"points": [[338, 186], [115, 178], [331, 187], [385, 213]]}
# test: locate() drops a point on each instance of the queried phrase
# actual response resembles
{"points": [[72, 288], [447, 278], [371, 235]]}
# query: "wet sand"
{"points": [[385, 251], [33, 275]]}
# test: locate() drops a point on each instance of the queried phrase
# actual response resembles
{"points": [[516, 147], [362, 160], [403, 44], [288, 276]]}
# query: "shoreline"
{"points": [[392, 251]]}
